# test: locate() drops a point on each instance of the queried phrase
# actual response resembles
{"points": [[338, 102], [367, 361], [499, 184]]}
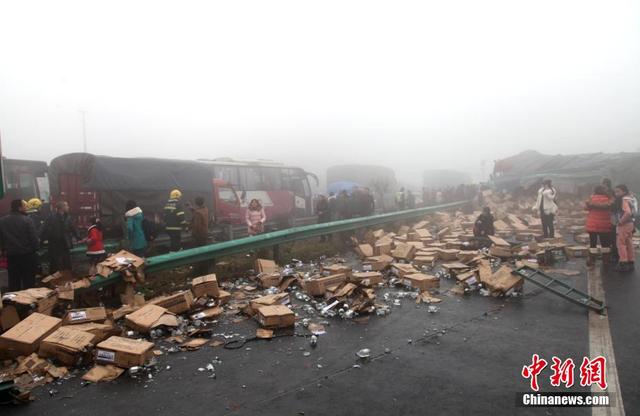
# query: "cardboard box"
{"points": [[208, 313], [502, 281], [267, 280], [99, 330], [375, 264], [179, 302], [25, 337], [382, 247], [317, 286], [124, 352], [266, 266], [335, 269], [367, 279], [145, 318], [40, 299], [577, 251], [499, 241], [276, 316], [421, 281], [67, 345], [404, 251], [364, 250], [448, 254], [401, 269], [269, 300], [8, 317], [500, 251], [81, 316], [205, 286], [429, 261]]}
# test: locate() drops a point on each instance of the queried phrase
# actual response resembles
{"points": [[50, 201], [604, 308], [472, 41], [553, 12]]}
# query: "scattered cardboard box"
{"points": [[421, 281], [124, 352], [81, 316], [179, 302], [25, 337], [205, 286], [275, 316], [67, 345]]}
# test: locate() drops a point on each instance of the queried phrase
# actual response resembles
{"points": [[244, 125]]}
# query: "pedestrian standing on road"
{"points": [[255, 217], [136, 239], [19, 242], [410, 200], [174, 220], [95, 244], [546, 206], [598, 224], [626, 207], [200, 223], [343, 206], [59, 232]]}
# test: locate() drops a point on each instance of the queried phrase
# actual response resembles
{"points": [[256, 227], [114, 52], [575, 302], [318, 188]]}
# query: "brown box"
{"points": [[577, 251], [401, 269], [317, 286], [205, 286], [81, 316], [224, 297], [448, 254], [266, 266], [424, 261], [267, 280], [382, 247], [25, 337], [375, 264], [145, 318], [208, 313], [337, 268], [404, 251], [100, 331], [276, 316], [269, 300], [179, 302], [41, 298], [67, 345], [8, 317], [500, 251], [124, 352], [364, 250], [367, 279], [421, 281]]}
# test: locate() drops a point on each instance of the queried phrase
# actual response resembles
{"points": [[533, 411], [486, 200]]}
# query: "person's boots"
{"points": [[622, 267]]}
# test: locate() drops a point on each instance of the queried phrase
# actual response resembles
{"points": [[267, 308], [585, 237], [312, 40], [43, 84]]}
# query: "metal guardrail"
{"points": [[242, 245]]}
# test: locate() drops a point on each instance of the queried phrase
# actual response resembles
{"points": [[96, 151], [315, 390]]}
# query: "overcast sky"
{"points": [[410, 85]]}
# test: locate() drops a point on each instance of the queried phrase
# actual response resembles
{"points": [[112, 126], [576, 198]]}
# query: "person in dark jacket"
{"points": [[174, 219], [200, 223], [343, 206], [59, 232], [483, 226], [19, 242]]}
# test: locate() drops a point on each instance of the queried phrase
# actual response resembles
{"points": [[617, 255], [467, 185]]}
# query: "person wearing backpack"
{"points": [[626, 209], [135, 230]]}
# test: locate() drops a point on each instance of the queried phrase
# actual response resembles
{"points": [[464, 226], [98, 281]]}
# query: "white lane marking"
{"points": [[600, 343]]}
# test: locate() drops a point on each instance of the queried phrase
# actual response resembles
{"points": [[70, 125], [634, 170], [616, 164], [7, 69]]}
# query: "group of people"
{"points": [[611, 221], [360, 203], [25, 230]]}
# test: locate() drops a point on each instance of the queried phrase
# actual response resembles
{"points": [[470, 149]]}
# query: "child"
{"points": [[95, 244]]}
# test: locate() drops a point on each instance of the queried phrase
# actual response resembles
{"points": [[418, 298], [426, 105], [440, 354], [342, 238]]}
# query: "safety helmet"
{"points": [[175, 194], [34, 203]]}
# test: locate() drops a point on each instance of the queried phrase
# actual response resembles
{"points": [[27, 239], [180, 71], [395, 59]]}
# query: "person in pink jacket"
{"points": [[255, 217]]}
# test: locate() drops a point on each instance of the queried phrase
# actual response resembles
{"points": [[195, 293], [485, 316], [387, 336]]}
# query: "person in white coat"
{"points": [[546, 205]]}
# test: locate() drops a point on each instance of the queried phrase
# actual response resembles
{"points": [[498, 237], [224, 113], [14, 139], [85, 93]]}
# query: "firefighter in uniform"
{"points": [[34, 207], [174, 219]]}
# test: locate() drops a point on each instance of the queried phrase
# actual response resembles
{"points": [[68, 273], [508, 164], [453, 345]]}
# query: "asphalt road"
{"points": [[464, 359]]}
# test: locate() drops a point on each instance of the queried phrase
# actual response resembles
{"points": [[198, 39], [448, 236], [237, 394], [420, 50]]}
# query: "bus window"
{"points": [[227, 195], [26, 185], [43, 187], [227, 173]]}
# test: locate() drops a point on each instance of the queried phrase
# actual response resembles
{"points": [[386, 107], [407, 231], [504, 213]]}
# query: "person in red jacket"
{"points": [[95, 244], [598, 223]]}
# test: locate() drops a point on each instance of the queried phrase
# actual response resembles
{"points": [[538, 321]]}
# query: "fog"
{"points": [[409, 85]]}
